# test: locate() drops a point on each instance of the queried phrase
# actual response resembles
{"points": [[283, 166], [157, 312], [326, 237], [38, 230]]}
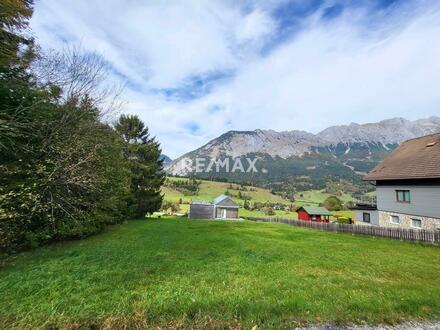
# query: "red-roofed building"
{"points": [[313, 213]]}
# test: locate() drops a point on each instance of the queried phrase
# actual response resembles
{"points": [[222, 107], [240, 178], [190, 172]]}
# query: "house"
{"points": [[365, 214], [222, 207], [408, 185], [313, 213]]}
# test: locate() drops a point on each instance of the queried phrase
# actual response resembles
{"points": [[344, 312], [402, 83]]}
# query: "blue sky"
{"points": [[196, 69]]}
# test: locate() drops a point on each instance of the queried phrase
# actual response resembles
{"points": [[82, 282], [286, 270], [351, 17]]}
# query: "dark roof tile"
{"points": [[414, 159]]}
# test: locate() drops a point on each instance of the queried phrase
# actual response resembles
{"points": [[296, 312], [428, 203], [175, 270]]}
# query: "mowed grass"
{"points": [[214, 274]]}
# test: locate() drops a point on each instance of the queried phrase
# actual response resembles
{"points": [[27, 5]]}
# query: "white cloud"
{"points": [[355, 68], [254, 29]]}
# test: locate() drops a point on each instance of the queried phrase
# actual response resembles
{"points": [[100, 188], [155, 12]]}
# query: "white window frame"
{"points": [[412, 223], [394, 217]]}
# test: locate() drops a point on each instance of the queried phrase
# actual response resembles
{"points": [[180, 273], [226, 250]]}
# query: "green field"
{"points": [[213, 274], [318, 196], [211, 189]]}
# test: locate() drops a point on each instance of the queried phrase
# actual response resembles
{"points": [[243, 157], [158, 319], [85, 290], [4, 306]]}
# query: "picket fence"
{"points": [[414, 235]]}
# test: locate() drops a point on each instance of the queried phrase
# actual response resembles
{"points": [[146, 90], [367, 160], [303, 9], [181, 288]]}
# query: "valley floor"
{"points": [[213, 274]]}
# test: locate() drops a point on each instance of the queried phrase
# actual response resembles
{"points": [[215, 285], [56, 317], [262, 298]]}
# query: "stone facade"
{"points": [[405, 221]]}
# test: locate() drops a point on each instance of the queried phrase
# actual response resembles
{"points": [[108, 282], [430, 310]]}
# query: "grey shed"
{"points": [[222, 207]]}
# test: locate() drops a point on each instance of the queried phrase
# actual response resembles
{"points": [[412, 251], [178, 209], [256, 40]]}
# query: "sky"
{"points": [[196, 69]]}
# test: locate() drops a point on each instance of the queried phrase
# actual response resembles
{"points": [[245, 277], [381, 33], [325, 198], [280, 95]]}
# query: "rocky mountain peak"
{"points": [[384, 135], [386, 132]]}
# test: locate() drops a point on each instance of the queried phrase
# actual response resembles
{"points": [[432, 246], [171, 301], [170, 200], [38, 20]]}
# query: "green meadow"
{"points": [[211, 189], [218, 274]]}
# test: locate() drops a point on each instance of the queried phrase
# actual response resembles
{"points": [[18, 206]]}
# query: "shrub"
{"points": [[332, 203]]}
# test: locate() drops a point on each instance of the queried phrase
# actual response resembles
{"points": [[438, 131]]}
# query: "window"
{"points": [[366, 217], [403, 196], [394, 219], [416, 223]]}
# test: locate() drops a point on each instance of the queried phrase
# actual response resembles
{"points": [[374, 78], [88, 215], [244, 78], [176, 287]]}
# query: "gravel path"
{"points": [[412, 325]]}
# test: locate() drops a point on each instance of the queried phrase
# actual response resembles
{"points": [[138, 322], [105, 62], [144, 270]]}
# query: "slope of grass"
{"points": [[212, 189], [318, 196], [213, 274]]}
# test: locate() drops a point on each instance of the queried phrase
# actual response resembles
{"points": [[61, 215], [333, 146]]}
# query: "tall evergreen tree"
{"points": [[62, 171], [17, 93], [143, 154]]}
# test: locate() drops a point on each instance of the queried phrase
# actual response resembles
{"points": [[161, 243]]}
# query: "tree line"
{"points": [[67, 168]]}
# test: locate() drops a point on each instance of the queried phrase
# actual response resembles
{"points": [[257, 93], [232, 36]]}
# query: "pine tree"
{"points": [[143, 154]]}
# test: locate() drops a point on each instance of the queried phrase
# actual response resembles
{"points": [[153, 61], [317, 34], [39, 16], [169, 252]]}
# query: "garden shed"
{"points": [[222, 207], [313, 213]]}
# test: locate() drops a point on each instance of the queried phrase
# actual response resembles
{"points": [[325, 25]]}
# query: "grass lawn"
{"points": [[281, 213], [213, 274]]}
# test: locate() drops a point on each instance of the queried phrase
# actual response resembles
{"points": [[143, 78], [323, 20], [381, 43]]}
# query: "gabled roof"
{"points": [[414, 159], [225, 201], [315, 210], [216, 201], [219, 199]]}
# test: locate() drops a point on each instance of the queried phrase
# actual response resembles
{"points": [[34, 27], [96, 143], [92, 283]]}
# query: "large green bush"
{"points": [[332, 203], [63, 172]]}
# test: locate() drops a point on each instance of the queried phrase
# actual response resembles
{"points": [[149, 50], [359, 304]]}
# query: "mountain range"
{"points": [[337, 152]]}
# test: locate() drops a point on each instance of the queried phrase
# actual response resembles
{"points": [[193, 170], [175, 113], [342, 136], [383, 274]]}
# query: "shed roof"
{"points": [[315, 210], [201, 203], [414, 159], [219, 199]]}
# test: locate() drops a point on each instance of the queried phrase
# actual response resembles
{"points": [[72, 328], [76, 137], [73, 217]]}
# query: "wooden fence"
{"points": [[414, 235]]}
